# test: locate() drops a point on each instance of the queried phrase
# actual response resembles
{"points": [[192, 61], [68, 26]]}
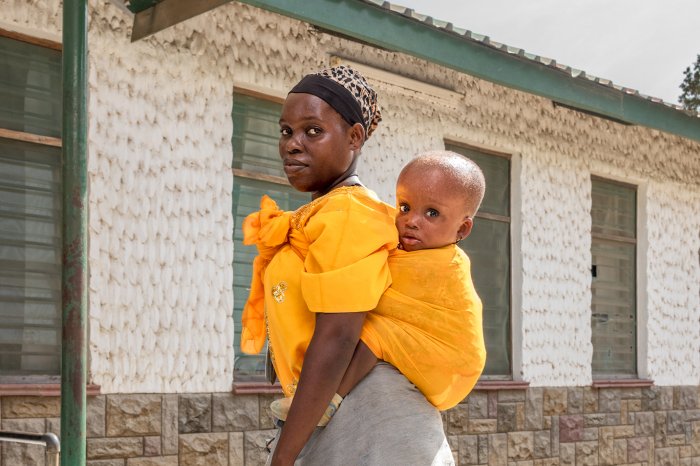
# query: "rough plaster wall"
{"points": [[556, 147], [673, 268], [160, 209], [160, 195], [41, 17], [556, 346]]}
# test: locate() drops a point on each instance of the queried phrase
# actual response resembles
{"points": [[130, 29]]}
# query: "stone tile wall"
{"points": [[535, 427]]}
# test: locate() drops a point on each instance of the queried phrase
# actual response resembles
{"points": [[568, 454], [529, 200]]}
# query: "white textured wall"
{"points": [[160, 226], [40, 18], [160, 209], [556, 277], [673, 269]]}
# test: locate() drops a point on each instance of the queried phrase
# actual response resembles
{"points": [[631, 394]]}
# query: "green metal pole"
{"points": [[75, 271]]}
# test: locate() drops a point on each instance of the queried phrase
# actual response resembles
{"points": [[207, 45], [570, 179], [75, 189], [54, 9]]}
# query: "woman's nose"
{"points": [[292, 144]]}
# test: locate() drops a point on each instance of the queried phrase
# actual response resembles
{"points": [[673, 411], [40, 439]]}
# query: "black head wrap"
{"points": [[347, 91]]}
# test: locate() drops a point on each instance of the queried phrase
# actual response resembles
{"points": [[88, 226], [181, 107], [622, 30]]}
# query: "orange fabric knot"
{"points": [[268, 229]]}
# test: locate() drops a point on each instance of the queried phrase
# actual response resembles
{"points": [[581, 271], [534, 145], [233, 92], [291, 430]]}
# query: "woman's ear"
{"points": [[465, 228], [357, 136]]}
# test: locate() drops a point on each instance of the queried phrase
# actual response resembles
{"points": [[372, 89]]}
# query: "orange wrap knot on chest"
{"points": [[268, 229]]}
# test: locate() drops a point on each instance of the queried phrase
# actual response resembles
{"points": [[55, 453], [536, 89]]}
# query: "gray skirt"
{"points": [[384, 421]]}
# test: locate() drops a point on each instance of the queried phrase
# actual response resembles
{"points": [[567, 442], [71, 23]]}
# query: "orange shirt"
{"points": [[331, 256], [328, 256], [429, 324]]}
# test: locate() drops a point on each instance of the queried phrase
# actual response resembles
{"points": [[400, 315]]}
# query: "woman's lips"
{"points": [[293, 166]]}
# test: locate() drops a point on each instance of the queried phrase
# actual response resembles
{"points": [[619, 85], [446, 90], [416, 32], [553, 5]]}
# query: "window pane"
{"points": [[30, 88], [497, 173], [255, 135], [488, 247], [30, 258], [613, 287], [613, 209], [613, 308], [246, 199]]}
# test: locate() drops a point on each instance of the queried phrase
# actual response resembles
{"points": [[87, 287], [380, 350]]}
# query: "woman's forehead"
{"points": [[298, 101], [306, 106]]}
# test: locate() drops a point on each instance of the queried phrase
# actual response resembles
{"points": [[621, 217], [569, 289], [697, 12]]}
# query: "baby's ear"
{"points": [[465, 228]]}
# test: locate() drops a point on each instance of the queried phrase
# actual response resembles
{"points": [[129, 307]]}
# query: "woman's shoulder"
{"points": [[348, 199]]}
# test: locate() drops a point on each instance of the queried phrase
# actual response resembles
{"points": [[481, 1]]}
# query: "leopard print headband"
{"points": [[348, 92]]}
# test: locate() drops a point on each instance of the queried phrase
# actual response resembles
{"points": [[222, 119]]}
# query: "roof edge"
{"points": [[376, 23], [372, 23]]}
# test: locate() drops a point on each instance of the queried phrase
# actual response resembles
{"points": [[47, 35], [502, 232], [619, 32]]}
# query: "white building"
{"points": [[586, 250]]}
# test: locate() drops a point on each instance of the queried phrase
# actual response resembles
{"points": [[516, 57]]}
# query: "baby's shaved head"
{"points": [[456, 170]]}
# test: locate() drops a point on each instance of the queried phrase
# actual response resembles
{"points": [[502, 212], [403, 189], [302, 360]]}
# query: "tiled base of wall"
{"points": [[533, 427], [578, 426]]}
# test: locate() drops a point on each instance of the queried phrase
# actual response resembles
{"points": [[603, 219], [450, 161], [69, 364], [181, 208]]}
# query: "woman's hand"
{"points": [[326, 359]]}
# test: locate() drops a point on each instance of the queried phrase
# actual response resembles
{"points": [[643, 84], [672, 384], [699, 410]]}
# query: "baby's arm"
{"points": [[363, 360]]}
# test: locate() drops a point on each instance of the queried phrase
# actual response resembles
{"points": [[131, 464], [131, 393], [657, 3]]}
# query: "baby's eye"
{"points": [[404, 208], [313, 131], [285, 131], [432, 213]]}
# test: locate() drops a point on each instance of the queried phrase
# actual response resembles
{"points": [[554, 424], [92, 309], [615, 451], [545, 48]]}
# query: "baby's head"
{"points": [[437, 195]]}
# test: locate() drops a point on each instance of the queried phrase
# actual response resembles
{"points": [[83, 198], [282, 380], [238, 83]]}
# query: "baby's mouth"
{"points": [[409, 240]]}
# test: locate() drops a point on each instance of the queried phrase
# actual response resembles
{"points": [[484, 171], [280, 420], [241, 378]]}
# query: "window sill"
{"points": [[490, 385], [622, 383], [40, 389], [255, 388]]}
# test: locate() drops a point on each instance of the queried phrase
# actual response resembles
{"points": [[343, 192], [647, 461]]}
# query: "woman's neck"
{"points": [[345, 180]]}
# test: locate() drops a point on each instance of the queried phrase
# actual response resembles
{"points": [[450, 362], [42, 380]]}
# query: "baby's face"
{"points": [[431, 214]]}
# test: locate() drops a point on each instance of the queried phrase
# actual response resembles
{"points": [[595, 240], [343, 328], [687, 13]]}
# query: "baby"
{"points": [[428, 323]]}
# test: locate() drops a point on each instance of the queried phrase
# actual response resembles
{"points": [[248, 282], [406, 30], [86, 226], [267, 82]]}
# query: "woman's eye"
{"points": [[432, 213], [285, 131], [313, 131], [404, 208]]}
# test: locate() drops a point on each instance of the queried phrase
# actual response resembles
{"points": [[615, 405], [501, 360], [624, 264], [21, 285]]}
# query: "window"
{"points": [[257, 170], [30, 209], [488, 247], [613, 288]]}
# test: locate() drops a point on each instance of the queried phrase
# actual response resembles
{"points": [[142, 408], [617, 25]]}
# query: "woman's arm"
{"points": [[327, 358]]}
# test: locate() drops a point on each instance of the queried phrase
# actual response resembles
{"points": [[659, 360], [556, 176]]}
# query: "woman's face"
{"points": [[317, 146]]}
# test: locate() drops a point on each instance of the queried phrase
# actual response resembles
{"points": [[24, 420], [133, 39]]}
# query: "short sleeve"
{"points": [[346, 268]]}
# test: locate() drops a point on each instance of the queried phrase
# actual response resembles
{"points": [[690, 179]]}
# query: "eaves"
{"points": [[399, 29]]}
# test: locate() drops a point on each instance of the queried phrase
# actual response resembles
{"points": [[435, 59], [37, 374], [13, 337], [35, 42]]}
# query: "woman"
{"points": [[320, 269]]}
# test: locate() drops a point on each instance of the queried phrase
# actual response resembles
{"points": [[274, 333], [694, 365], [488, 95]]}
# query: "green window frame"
{"points": [[614, 279], [489, 249], [257, 170], [30, 209]]}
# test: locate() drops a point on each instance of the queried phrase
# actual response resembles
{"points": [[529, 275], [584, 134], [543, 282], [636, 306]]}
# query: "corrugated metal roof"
{"points": [[138, 6], [487, 41]]}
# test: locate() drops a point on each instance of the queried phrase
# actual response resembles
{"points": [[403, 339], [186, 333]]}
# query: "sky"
{"points": [[642, 44]]}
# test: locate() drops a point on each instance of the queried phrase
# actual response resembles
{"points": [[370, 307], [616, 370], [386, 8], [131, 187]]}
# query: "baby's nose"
{"points": [[412, 221]]}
